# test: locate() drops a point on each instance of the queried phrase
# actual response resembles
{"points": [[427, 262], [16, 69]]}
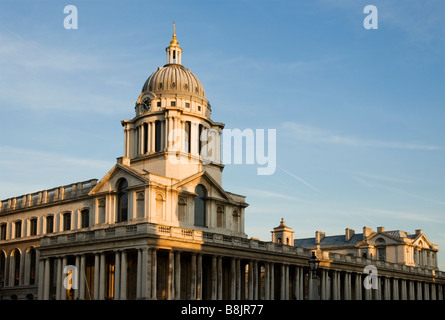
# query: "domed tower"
{"points": [[172, 133]]}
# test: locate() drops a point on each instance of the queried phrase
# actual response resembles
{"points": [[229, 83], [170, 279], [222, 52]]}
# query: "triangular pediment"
{"points": [[188, 185], [109, 181], [380, 238], [422, 241]]}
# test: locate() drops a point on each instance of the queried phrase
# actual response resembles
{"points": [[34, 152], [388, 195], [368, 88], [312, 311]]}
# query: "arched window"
{"points": [[200, 206], [32, 266], [85, 218], [381, 249], [220, 217], [182, 206], [16, 256], [122, 201], [140, 205]]}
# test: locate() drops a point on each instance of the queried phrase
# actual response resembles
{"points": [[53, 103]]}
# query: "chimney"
{"points": [[366, 232], [349, 233], [380, 229], [319, 236], [419, 231]]}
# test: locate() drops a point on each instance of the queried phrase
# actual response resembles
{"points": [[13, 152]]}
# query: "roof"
{"points": [[340, 240], [330, 241]]}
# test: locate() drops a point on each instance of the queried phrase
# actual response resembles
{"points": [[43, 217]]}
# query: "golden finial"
{"points": [[174, 42]]}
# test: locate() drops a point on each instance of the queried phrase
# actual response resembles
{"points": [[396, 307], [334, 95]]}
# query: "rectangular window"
{"points": [[67, 221], [187, 105], [145, 138], [3, 232], [158, 136], [18, 229], [50, 224], [187, 137], [173, 103], [159, 103], [85, 216], [33, 227]]}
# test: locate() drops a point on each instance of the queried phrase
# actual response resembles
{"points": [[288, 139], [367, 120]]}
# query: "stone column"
{"points": [[96, 276], [334, 286], [214, 278], [76, 292], [40, 279], [426, 291], [177, 275], [139, 274], [419, 291], [267, 281], [395, 289], [219, 278], [46, 286], [404, 295], [297, 282], [142, 283], [286, 283], [117, 275], [154, 262], [193, 277], [238, 278], [232, 279], [199, 277], [59, 283], [283, 282], [170, 281], [81, 278], [433, 292], [272, 279], [250, 280], [102, 277], [358, 286], [323, 284], [123, 280], [255, 280]]}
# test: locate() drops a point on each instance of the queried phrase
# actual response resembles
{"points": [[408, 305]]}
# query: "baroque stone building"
{"points": [[160, 225]]}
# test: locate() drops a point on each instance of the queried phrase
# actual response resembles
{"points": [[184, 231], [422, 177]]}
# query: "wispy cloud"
{"points": [[373, 184], [271, 194], [318, 135], [299, 179], [403, 215], [379, 177]]}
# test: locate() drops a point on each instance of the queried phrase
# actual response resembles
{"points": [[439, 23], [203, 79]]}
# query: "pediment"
{"points": [[380, 238], [422, 241], [109, 182], [189, 184]]}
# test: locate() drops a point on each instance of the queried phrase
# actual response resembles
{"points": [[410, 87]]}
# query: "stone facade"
{"points": [[159, 225]]}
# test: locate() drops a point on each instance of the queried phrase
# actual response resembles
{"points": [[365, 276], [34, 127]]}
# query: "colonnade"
{"points": [[169, 133], [152, 273]]}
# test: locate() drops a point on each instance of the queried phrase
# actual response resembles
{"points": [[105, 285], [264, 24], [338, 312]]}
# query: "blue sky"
{"points": [[359, 113]]}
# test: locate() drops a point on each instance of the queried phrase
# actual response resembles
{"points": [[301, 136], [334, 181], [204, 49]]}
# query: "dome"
{"points": [[173, 79]]}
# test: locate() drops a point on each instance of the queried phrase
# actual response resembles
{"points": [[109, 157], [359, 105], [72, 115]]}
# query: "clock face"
{"points": [[146, 104]]}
